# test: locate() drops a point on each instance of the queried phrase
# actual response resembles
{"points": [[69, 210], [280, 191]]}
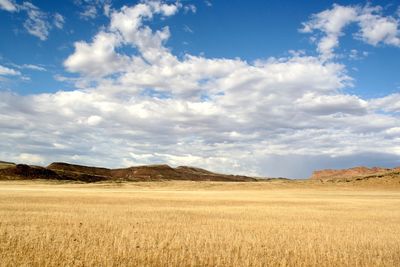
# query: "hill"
{"points": [[66, 171], [163, 172], [356, 174], [5, 164]]}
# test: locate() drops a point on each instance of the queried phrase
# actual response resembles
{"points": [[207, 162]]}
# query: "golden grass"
{"points": [[197, 224]]}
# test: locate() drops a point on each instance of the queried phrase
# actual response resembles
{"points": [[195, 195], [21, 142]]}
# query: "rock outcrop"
{"points": [[353, 173]]}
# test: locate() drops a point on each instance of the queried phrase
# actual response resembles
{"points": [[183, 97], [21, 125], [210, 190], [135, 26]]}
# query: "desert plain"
{"points": [[188, 223]]}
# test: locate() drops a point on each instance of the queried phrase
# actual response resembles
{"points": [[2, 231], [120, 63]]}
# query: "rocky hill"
{"points": [[66, 171], [356, 173]]}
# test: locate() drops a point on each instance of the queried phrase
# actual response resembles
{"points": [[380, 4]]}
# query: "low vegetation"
{"points": [[279, 223]]}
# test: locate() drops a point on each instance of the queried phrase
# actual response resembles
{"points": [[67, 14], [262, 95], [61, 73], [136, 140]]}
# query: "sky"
{"points": [[267, 88]]}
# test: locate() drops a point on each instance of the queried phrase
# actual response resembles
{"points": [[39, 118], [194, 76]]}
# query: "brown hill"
{"points": [[5, 164], [66, 167], [21, 171], [356, 173], [65, 171]]}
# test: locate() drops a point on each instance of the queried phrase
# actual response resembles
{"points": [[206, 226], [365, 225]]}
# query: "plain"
{"points": [[198, 224]]}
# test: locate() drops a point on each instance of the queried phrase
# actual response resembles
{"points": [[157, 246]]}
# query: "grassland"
{"points": [[198, 224]]}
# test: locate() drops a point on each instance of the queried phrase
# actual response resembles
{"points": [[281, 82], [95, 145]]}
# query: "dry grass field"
{"points": [[198, 224]]}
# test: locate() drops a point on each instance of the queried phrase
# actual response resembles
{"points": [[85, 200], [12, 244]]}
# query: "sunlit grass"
{"points": [[197, 224]]}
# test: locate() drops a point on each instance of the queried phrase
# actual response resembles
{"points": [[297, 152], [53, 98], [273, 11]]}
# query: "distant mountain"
{"points": [[66, 171]]}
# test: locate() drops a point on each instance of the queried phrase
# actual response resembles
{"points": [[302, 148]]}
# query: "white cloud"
{"points": [[98, 58], [107, 9], [94, 120], [59, 20], [89, 13], [329, 104], [30, 158], [189, 8], [36, 24], [33, 67], [91, 9], [128, 23], [8, 71], [374, 27], [8, 5], [357, 55], [390, 103], [332, 23], [276, 116]]}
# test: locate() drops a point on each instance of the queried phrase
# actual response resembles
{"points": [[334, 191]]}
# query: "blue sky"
{"points": [[224, 29], [235, 50]]}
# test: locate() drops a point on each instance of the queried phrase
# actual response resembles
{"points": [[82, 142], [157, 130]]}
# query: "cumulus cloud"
{"points": [[332, 23], [374, 27], [329, 104], [390, 103], [98, 58], [223, 114]]}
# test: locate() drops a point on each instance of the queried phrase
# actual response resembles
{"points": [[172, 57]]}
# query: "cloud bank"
{"points": [[271, 117]]}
